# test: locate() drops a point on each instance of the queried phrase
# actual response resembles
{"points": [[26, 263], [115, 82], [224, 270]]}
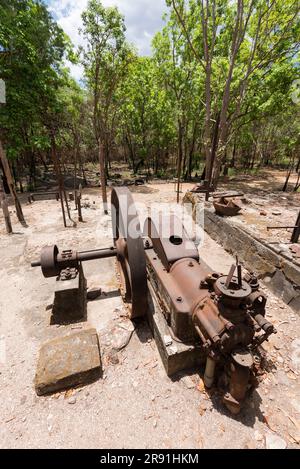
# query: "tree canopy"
{"points": [[219, 90]]}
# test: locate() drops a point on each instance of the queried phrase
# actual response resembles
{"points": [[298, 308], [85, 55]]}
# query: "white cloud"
{"points": [[142, 18]]}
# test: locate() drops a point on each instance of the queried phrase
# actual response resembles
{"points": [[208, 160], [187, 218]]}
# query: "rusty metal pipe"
{"points": [[96, 254], [264, 324], [209, 373]]}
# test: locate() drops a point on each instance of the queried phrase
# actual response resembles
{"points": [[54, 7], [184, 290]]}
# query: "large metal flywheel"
{"points": [[131, 261]]}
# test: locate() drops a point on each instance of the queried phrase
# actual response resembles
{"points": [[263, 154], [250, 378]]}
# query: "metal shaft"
{"points": [[96, 254], [81, 256]]}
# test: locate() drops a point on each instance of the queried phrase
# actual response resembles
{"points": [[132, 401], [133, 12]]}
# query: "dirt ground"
{"points": [[266, 205], [134, 405]]}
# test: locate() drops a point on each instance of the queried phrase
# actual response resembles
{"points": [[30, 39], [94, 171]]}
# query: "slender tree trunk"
{"points": [[297, 185], [4, 205], [82, 170], [58, 176], [285, 186], [11, 185], [253, 156], [102, 176], [296, 231], [179, 162], [232, 164]]}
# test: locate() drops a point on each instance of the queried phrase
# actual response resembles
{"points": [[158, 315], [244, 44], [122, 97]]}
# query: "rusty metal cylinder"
{"points": [[264, 323], [209, 372], [188, 274]]}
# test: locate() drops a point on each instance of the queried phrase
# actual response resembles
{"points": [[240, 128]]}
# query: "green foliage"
{"points": [[222, 78], [35, 48]]}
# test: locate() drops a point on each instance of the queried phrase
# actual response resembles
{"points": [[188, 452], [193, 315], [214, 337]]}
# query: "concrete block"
{"points": [[69, 299], [68, 361]]}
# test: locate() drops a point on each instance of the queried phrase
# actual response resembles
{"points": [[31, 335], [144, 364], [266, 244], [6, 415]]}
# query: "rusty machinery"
{"points": [[223, 315], [225, 205]]}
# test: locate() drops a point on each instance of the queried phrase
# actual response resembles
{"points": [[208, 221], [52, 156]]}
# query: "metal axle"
{"points": [[88, 255], [52, 261]]}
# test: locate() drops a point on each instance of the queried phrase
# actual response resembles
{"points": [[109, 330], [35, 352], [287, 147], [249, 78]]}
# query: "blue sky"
{"points": [[142, 18]]}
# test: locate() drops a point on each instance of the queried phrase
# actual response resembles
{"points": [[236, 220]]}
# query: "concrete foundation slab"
{"points": [[68, 361]]}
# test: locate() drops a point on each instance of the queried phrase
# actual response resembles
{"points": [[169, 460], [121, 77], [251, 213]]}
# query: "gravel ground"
{"points": [[134, 405]]}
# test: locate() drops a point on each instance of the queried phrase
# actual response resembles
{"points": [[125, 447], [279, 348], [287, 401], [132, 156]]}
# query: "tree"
{"points": [[105, 58], [145, 116], [234, 41], [32, 68]]}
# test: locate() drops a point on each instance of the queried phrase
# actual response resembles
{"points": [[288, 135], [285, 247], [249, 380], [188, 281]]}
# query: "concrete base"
{"points": [[70, 299], [175, 356], [280, 273], [68, 361]]}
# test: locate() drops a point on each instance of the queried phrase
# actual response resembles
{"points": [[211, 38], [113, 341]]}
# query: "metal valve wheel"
{"points": [[131, 261]]}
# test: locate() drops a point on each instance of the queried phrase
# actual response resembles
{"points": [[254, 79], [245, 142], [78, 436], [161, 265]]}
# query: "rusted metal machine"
{"points": [[220, 318], [226, 204]]}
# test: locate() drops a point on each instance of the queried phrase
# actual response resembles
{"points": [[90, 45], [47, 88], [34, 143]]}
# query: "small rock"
{"points": [[276, 212], [127, 325], [120, 337], [189, 383], [263, 212], [113, 359], [168, 340], [274, 442], [201, 385], [72, 400]]}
